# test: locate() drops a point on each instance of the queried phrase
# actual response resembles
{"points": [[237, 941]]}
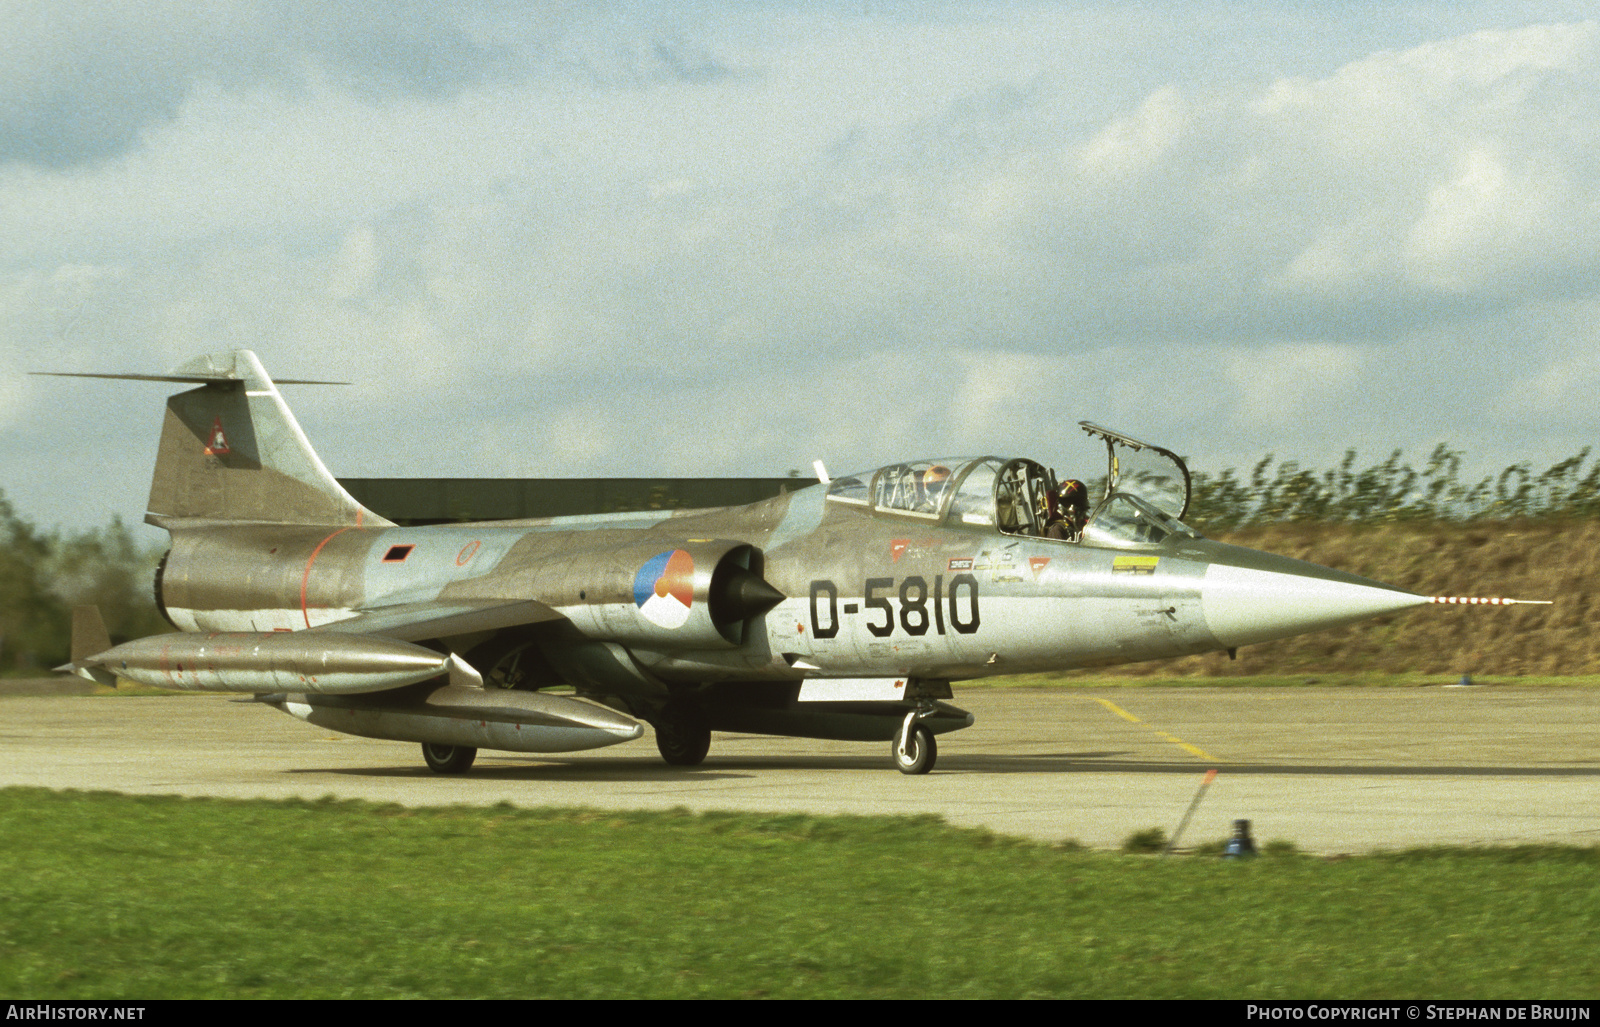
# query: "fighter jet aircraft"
{"points": [[842, 610]]}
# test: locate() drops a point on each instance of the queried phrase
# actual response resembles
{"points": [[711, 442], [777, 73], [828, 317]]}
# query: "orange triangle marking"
{"points": [[217, 441]]}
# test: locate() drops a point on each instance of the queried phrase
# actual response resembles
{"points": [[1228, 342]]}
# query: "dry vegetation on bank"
{"points": [[1542, 559]]}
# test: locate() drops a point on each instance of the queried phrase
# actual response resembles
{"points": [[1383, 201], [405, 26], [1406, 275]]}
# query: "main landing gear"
{"points": [[914, 749], [448, 759], [682, 733]]}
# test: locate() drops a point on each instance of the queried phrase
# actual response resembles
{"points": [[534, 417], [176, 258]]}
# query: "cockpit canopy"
{"points": [[1146, 492], [1157, 476]]}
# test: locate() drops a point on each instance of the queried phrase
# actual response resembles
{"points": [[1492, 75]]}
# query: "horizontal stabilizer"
{"points": [[182, 379], [203, 370]]}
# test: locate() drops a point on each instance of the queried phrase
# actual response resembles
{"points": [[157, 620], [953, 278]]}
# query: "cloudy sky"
{"points": [[730, 238]]}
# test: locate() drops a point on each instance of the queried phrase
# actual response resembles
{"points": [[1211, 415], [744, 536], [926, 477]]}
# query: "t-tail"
{"points": [[232, 452]]}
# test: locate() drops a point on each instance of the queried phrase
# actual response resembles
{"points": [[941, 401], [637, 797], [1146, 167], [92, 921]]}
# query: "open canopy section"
{"points": [[1155, 475]]}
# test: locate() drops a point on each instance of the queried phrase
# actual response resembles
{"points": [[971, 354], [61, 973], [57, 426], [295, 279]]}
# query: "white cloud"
{"points": [[1562, 391], [1133, 144], [1455, 165], [354, 265], [81, 80], [861, 237], [1282, 384]]}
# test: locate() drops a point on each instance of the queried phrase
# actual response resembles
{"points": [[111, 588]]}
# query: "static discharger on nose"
{"points": [[1487, 601]]}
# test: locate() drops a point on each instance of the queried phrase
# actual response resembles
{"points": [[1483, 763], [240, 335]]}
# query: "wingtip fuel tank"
{"points": [[475, 718], [272, 661], [358, 684]]}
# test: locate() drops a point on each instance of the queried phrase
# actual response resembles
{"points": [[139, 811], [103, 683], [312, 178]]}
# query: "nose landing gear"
{"points": [[914, 749]]}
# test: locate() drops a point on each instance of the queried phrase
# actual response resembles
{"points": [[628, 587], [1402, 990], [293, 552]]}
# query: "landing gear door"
{"points": [[1157, 476]]}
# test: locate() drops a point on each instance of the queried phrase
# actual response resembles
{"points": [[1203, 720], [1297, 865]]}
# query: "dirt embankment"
{"points": [[1554, 560]]}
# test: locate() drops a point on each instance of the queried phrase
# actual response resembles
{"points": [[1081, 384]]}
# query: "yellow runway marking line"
{"points": [[1119, 711], [1180, 743], [1186, 747]]}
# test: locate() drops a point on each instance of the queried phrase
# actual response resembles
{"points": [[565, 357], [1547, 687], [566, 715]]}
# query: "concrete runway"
{"points": [[1333, 770]]}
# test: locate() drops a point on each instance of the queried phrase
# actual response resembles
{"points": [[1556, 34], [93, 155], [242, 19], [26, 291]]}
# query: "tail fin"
{"points": [[232, 451]]}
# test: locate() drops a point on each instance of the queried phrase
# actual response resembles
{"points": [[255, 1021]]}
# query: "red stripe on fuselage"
{"points": [[306, 577]]}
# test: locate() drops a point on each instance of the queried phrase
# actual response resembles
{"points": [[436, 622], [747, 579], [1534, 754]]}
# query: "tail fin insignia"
{"points": [[218, 445]]}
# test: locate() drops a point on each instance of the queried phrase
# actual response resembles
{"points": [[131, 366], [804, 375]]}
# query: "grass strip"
{"points": [[112, 896]]}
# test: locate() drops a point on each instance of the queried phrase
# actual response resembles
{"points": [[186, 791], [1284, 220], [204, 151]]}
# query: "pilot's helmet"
{"points": [[1073, 493], [932, 482]]}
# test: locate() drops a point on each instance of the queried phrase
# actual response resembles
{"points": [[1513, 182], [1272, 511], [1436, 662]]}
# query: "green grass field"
{"points": [[109, 896]]}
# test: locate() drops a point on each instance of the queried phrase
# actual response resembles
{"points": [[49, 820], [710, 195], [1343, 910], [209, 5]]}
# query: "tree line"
{"points": [[1277, 492], [43, 575]]}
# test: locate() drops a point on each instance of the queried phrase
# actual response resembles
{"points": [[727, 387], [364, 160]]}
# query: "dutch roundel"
{"points": [[663, 590]]}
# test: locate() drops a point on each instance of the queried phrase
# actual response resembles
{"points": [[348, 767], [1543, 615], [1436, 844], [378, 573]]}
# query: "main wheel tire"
{"points": [[920, 753], [448, 759], [682, 734]]}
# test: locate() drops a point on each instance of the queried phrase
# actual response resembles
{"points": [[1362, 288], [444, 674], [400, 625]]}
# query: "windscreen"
{"points": [[1125, 519]]}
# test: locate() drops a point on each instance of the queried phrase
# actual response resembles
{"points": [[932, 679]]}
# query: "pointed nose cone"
{"points": [[1249, 597]]}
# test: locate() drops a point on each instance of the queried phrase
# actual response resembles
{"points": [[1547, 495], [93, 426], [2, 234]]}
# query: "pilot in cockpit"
{"points": [[1068, 511], [930, 487]]}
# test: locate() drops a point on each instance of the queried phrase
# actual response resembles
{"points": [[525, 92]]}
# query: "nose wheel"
{"points": [[914, 750]]}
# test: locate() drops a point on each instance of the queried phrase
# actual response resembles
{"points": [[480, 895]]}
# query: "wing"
{"points": [[413, 622]]}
